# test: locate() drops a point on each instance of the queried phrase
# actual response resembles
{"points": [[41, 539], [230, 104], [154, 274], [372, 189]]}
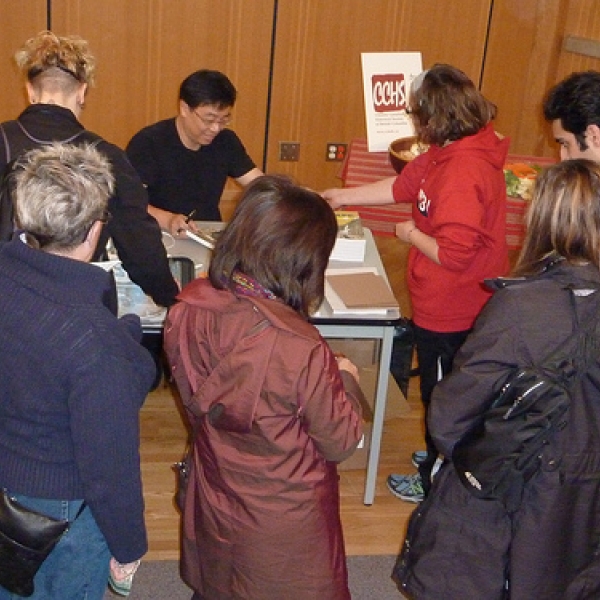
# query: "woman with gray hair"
{"points": [[73, 377]]}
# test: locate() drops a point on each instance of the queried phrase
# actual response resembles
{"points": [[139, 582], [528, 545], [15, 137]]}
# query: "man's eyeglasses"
{"points": [[211, 122]]}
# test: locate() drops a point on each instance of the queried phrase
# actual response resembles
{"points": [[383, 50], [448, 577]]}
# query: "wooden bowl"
{"points": [[400, 152]]}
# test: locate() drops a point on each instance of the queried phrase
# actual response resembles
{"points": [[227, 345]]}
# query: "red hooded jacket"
{"points": [[459, 197]]}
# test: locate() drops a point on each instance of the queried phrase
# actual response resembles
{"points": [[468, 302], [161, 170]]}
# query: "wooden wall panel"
{"points": [[117, 33], [145, 48], [20, 21], [582, 20], [317, 79], [525, 58]]}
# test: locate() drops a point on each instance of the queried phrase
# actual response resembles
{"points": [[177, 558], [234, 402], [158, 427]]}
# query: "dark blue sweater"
{"points": [[72, 380]]}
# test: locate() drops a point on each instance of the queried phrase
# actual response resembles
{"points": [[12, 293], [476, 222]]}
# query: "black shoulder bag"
{"points": [[26, 539], [501, 453]]}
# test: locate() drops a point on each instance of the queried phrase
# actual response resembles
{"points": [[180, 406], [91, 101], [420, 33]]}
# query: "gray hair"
{"points": [[60, 190]]}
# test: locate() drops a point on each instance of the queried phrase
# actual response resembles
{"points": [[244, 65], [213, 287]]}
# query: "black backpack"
{"points": [[503, 450]]}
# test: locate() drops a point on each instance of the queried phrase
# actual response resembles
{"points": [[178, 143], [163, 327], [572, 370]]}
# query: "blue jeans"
{"points": [[77, 568]]}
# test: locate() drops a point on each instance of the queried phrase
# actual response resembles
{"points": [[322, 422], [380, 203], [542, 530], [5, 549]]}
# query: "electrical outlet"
{"points": [[289, 151], [336, 152]]}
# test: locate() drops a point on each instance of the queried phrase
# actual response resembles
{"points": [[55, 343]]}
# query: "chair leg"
{"points": [[402, 356]]}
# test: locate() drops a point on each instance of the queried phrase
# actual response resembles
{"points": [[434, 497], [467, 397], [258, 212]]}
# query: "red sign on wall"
{"points": [[389, 92]]}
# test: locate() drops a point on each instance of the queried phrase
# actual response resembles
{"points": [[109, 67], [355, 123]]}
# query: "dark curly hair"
{"points": [[576, 102]]}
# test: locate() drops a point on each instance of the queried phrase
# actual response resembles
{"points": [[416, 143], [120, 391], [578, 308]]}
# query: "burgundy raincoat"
{"points": [[270, 417]]}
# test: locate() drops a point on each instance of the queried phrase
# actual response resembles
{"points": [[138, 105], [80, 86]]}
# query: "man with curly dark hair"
{"points": [[573, 108]]}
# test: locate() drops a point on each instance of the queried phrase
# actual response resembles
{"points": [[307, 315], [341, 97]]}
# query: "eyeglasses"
{"points": [[105, 218], [220, 123]]}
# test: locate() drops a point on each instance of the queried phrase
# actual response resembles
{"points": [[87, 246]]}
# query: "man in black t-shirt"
{"points": [[185, 161]]}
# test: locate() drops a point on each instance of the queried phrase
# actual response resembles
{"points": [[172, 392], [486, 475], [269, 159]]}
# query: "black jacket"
{"points": [[135, 233], [461, 547]]}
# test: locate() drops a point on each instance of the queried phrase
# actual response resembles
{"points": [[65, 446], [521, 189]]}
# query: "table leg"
{"points": [[381, 390]]}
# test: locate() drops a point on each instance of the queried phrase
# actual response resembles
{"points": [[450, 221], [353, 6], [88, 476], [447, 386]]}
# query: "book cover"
{"points": [[362, 290], [350, 244]]}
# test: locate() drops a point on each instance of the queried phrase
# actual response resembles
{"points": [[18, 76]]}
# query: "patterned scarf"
{"points": [[246, 286]]}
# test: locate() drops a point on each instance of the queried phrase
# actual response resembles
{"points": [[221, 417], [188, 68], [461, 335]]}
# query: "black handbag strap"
{"points": [[7, 499], [81, 509]]}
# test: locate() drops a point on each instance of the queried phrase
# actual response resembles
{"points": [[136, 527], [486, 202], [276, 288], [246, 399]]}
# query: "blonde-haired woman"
{"points": [[459, 546], [58, 71]]}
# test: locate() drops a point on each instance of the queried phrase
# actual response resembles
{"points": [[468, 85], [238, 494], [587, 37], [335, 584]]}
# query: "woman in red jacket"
{"points": [[271, 408], [457, 231]]}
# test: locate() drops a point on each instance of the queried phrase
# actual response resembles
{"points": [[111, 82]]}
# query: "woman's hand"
{"points": [[407, 231], [344, 364], [404, 229], [334, 197]]}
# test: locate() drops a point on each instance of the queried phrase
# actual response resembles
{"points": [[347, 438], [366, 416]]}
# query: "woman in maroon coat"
{"points": [[272, 409]]}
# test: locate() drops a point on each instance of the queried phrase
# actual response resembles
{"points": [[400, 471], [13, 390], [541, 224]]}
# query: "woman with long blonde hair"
{"points": [[459, 546]]}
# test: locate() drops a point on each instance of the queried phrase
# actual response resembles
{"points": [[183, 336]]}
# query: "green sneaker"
{"points": [[406, 487]]}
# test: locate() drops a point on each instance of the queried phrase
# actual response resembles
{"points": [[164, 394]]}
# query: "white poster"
{"points": [[387, 77]]}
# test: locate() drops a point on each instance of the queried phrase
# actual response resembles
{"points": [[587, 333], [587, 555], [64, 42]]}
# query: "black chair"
{"points": [[184, 271]]}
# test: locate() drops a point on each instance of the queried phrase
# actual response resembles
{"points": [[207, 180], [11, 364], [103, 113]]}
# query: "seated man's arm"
{"points": [[249, 177]]}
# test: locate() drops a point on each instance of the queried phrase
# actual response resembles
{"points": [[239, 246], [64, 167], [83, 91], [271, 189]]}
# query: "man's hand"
{"points": [[179, 224]]}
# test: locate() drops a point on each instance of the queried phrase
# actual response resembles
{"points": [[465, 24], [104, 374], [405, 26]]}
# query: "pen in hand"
{"points": [[185, 223]]}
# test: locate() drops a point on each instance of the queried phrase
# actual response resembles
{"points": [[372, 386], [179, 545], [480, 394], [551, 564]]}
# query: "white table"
{"points": [[376, 326]]}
